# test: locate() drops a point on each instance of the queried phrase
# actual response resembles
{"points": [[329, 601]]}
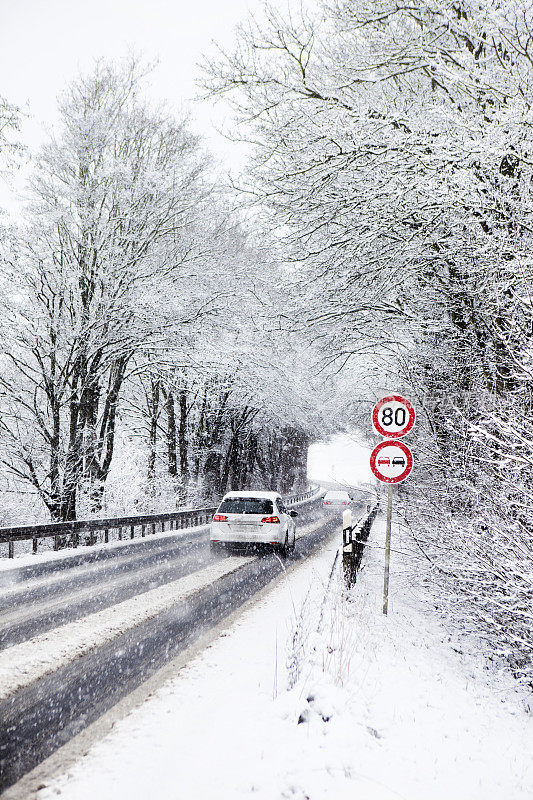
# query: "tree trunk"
{"points": [[153, 412], [182, 439], [171, 436]]}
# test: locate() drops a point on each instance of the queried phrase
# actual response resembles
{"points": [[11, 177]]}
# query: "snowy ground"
{"points": [[306, 697]]}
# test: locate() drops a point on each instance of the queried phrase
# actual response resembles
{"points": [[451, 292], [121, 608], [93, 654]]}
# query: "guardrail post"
{"points": [[348, 564], [354, 538], [143, 531], [132, 532], [34, 544], [106, 535], [11, 548]]}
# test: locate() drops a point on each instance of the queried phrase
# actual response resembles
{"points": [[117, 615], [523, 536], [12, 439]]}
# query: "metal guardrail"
{"points": [[292, 499], [73, 532], [85, 531], [354, 538]]}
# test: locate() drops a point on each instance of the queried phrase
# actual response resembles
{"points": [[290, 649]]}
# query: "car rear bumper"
{"points": [[265, 534]]}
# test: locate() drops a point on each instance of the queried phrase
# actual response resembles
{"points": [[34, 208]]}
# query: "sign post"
{"points": [[391, 461], [387, 552]]}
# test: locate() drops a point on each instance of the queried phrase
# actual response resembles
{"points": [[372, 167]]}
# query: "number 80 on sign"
{"points": [[393, 416]]}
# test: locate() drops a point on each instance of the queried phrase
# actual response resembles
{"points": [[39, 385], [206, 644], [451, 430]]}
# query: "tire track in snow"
{"points": [[30, 661]]}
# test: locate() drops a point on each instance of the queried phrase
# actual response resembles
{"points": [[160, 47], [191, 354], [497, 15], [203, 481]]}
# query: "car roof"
{"points": [[251, 493], [336, 494]]}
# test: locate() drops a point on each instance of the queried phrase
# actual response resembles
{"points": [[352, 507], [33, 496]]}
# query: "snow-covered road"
{"points": [[56, 682], [308, 695], [25, 663]]}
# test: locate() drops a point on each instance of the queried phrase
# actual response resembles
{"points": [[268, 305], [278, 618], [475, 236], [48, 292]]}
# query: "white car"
{"points": [[336, 499], [254, 518]]}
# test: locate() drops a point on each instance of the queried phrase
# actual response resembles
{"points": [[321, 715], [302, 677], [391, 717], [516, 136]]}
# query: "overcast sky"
{"points": [[44, 44], [343, 459]]}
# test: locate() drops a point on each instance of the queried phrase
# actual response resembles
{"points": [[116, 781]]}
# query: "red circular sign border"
{"points": [[408, 455], [398, 399]]}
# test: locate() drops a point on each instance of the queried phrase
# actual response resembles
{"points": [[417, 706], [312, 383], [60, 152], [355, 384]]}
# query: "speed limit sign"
{"points": [[393, 416]]}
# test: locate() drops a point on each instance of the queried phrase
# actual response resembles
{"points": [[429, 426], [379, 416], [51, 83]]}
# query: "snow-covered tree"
{"points": [[393, 155], [107, 267]]}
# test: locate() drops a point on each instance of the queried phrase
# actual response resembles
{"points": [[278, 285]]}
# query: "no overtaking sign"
{"points": [[391, 462]]}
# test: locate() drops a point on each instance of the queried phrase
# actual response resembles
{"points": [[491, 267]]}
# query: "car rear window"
{"points": [[336, 496], [246, 505]]}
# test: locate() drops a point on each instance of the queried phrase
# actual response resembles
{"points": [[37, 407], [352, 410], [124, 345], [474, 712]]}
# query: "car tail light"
{"points": [[327, 502], [220, 518], [274, 520]]}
